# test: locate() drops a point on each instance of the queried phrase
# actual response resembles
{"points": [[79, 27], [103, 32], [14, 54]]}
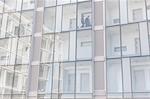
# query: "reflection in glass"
{"points": [[49, 20], [112, 12], [84, 45], [130, 33], [69, 17], [113, 42], [84, 15], [45, 78], [114, 77], [10, 5], [26, 23], [23, 50], [28, 4], [136, 10], [47, 48]]}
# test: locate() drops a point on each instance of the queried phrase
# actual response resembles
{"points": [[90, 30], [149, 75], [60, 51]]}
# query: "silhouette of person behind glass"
{"points": [[87, 21], [82, 21]]}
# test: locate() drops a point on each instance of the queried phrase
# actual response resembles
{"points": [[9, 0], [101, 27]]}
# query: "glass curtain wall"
{"points": [[127, 44], [16, 19], [66, 50]]}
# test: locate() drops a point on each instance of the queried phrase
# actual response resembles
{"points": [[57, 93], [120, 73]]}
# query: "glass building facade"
{"points": [[46, 48], [128, 48], [74, 49]]}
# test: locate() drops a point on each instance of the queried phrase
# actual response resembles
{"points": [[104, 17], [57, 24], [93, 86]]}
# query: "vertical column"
{"points": [[35, 50], [99, 50]]}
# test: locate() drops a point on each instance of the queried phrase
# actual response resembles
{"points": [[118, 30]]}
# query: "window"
{"points": [[26, 23], [65, 46], [47, 48], [45, 78], [59, 18], [137, 14], [28, 4], [123, 11], [83, 77], [84, 82], [67, 78], [136, 10], [130, 38], [10, 5], [56, 73], [84, 45], [9, 79], [113, 42], [69, 17], [16, 79], [23, 50], [84, 15], [12, 28], [148, 8], [140, 74], [114, 83], [7, 51], [49, 20], [112, 12], [1, 5], [50, 3]]}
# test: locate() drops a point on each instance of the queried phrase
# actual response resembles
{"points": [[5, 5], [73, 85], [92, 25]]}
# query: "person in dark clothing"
{"points": [[87, 21], [82, 21]]}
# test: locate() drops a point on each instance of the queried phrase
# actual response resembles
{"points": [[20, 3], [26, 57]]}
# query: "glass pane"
{"points": [[47, 48], [10, 5], [114, 77], [26, 23], [148, 8], [127, 78], [113, 42], [67, 79], [144, 38], [84, 45], [69, 17], [112, 12], [58, 19], [72, 45], [1, 5], [28, 4], [7, 51], [23, 50], [12, 28], [84, 15], [140, 76], [130, 33], [55, 79], [50, 3], [7, 80], [49, 20], [123, 12], [84, 80], [4, 25], [84, 77], [136, 10], [62, 47], [45, 78], [19, 5], [20, 80]]}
